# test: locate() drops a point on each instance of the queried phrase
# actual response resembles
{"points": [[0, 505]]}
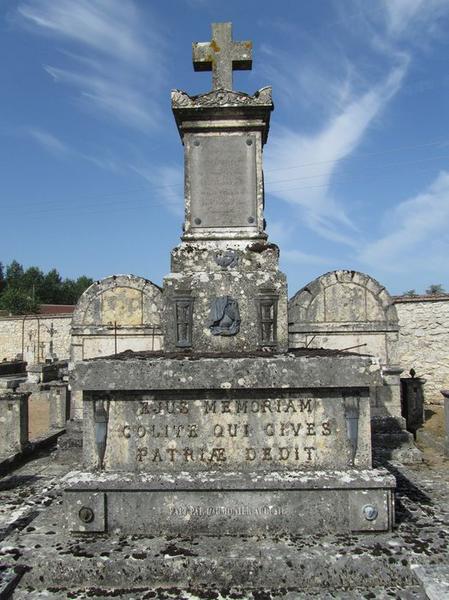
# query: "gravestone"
{"points": [[226, 431]]}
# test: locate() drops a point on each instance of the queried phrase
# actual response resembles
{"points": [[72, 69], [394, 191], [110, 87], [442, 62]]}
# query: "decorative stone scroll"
{"points": [[262, 97]]}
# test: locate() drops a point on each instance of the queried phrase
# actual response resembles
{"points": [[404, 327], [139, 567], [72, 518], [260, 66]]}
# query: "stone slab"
{"points": [[434, 579], [298, 503], [229, 431], [154, 371], [342, 567], [222, 171], [11, 382], [271, 562], [12, 367]]}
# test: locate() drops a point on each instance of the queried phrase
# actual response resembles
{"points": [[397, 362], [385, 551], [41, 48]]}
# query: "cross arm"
{"points": [[203, 56], [242, 56]]}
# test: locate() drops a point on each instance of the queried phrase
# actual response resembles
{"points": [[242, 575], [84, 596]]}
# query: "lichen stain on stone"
{"points": [[215, 47]]}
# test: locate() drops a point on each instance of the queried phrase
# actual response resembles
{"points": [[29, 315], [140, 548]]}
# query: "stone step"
{"points": [[345, 563], [174, 593]]}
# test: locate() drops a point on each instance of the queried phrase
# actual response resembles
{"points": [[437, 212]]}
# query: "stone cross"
{"points": [[222, 55]]}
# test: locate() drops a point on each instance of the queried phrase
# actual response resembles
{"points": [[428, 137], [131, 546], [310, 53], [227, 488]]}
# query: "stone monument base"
{"points": [[214, 503]]}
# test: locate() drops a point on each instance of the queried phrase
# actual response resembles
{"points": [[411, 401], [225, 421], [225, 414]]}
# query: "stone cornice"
{"points": [[222, 98]]}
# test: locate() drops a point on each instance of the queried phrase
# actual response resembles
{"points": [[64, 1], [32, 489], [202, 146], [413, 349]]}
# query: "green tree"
{"points": [[32, 282], [18, 302], [435, 289], [70, 290], [50, 292], [82, 283], [410, 293], [14, 274], [38, 287]]}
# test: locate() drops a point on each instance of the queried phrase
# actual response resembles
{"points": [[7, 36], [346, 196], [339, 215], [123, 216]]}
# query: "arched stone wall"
{"points": [[121, 312], [348, 310], [345, 310]]}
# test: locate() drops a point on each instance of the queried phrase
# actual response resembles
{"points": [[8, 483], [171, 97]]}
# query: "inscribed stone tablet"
{"points": [[188, 432], [223, 181]]}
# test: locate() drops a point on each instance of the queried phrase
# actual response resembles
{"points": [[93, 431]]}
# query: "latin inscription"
{"points": [[287, 431]]}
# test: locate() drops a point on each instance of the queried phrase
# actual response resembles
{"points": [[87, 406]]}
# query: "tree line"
{"points": [[23, 290], [436, 289]]}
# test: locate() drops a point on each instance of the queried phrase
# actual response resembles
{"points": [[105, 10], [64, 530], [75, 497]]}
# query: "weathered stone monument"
{"points": [[349, 310], [225, 431]]}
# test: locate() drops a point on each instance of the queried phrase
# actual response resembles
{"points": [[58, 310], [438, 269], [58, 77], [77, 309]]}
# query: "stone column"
{"points": [[58, 405], [391, 393], [13, 423]]}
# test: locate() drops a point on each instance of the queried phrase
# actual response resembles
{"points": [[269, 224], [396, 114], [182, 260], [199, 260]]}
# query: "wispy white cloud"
{"points": [[166, 185], [402, 16], [48, 141], [416, 224], [110, 26], [298, 160], [110, 48], [342, 96], [304, 258], [61, 149], [108, 96]]}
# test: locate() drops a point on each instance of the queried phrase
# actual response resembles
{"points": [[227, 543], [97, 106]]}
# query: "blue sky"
{"points": [[356, 165]]}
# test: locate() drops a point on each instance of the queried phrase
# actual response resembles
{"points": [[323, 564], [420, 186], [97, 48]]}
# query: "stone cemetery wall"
{"points": [[33, 335], [424, 341]]}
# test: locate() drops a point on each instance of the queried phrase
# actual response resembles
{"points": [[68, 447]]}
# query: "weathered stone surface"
{"points": [[253, 420], [211, 406], [224, 203], [148, 371], [11, 382], [245, 282], [222, 171], [424, 341], [115, 314], [59, 405], [97, 566], [43, 372], [345, 309], [230, 504], [350, 310], [32, 337], [14, 423], [239, 432], [222, 55]]}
